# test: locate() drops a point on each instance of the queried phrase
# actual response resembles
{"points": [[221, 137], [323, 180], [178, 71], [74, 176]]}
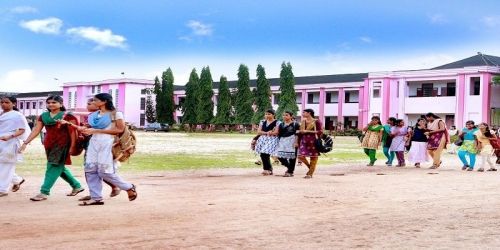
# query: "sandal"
{"points": [[85, 198], [480, 170], [132, 193], [288, 175], [492, 169], [76, 191], [39, 197], [115, 192], [16, 187], [91, 203], [308, 177]]}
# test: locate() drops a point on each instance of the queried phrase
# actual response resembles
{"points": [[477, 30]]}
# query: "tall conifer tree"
{"points": [[191, 103], [168, 95], [224, 108], [244, 99], [205, 108], [262, 95], [287, 101]]}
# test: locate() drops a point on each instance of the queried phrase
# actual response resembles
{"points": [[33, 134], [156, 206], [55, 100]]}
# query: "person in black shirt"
{"points": [[288, 143], [418, 149]]}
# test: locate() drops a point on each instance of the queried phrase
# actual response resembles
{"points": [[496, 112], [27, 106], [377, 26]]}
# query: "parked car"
{"points": [[156, 127]]}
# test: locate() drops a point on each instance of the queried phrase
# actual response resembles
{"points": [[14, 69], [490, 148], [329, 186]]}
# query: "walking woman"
{"points": [[59, 143], [99, 163], [310, 129], [469, 146], [13, 127], [387, 140], [438, 138], [373, 136], [399, 137], [485, 149], [418, 149], [268, 140], [288, 143]]}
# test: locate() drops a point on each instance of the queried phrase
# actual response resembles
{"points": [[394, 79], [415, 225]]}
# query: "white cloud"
{"points": [[102, 37], [491, 21], [437, 18], [365, 39], [23, 80], [23, 10], [51, 25], [186, 38], [200, 29]]}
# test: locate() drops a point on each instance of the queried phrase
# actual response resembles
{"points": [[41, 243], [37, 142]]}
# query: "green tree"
{"points": [[224, 108], [167, 86], [150, 111], [244, 99], [158, 98], [287, 98], [191, 102], [496, 80], [205, 108], [262, 95]]}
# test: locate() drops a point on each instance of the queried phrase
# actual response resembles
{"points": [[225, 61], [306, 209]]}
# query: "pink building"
{"points": [[458, 91], [129, 96], [33, 103]]}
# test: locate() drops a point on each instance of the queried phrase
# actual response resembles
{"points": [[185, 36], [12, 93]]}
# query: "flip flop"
{"points": [[85, 198], [132, 196], [76, 191], [91, 203], [16, 187]]}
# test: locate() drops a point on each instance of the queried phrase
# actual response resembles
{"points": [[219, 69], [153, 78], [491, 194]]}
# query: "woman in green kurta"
{"points": [[59, 143], [373, 136]]}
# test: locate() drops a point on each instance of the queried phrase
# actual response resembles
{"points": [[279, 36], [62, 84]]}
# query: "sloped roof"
{"points": [[39, 94], [477, 60], [304, 80]]}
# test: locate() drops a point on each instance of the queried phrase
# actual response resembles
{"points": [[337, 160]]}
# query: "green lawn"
{"points": [[179, 151]]}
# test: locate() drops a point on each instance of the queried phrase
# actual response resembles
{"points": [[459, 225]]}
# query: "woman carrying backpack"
{"points": [[59, 143], [310, 129], [105, 124], [287, 145]]}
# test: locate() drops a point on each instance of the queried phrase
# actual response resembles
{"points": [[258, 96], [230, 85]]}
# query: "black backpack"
{"points": [[324, 144]]}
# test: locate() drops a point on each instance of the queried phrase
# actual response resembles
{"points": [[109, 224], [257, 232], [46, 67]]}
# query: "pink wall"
{"points": [[459, 114], [341, 97], [121, 96], [486, 90], [322, 105], [386, 99]]}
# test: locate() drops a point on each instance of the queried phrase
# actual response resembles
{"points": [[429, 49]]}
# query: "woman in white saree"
{"points": [[13, 128]]}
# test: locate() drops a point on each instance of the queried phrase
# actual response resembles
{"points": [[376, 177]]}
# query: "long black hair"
{"points": [[430, 114], [487, 132], [108, 99], [419, 119], [58, 99], [13, 100], [378, 119], [310, 111]]}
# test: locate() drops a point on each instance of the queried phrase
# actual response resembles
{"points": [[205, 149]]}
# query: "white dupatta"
{"points": [[10, 122]]}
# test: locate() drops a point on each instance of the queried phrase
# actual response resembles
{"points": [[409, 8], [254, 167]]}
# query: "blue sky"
{"points": [[97, 40]]}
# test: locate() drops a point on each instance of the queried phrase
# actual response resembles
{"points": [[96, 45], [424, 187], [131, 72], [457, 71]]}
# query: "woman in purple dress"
{"points": [[310, 129]]}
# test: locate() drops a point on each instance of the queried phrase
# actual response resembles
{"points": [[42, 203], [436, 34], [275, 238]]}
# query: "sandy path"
{"points": [[237, 208]]}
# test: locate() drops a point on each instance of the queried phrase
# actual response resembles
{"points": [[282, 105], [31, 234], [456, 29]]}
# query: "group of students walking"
{"points": [[426, 140], [289, 141], [60, 142]]}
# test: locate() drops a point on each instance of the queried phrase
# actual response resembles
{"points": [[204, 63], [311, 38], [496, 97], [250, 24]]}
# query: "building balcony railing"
{"points": [[434, 92]]}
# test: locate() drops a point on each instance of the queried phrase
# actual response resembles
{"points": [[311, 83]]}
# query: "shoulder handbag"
{"points": [[460, 140]]}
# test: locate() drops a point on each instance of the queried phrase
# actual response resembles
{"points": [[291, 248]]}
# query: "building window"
{"points": [[98, 89], [376, 93], [93, 89], [313, 97], [40, 105], [75, 100], [110, 91], [475, 85], [21, 105], [33, 104], [276, 99], [116, 97], [181, 100], [143, 103], [298, 98], [449, 90], [332, 97], [143, 91], [142, 120], [351, 96], [70, 99]]}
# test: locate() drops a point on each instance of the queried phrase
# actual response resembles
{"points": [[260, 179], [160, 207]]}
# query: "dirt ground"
{"points": [[341, 207]]}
